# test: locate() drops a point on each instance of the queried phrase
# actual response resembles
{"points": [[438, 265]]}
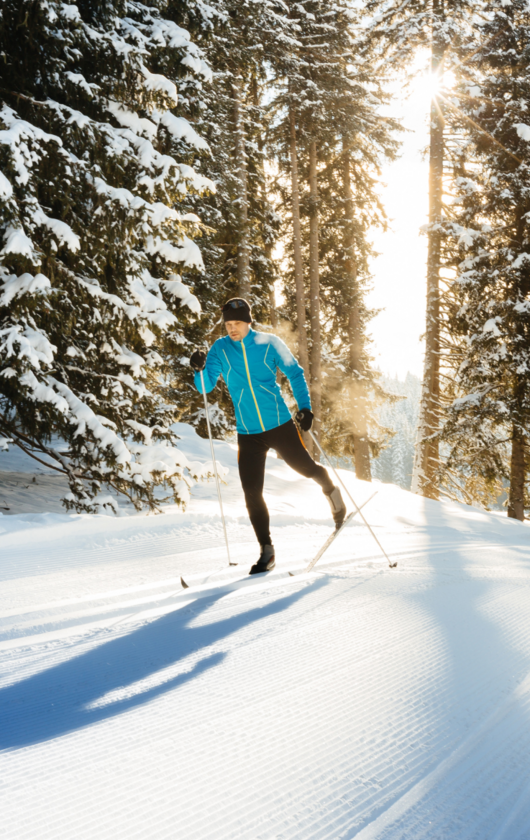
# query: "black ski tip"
{"points": [[184, 584], [232, 564], [291, 574], [393, 565]]}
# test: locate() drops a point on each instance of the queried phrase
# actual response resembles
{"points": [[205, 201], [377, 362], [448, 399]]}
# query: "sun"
{"points": [[430, 86]]}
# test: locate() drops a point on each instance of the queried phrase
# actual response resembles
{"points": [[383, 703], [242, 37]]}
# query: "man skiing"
{"points": [[248, 361]]}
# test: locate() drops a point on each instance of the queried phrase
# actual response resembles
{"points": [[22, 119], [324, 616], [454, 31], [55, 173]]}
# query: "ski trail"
{"points": [[355, 702], [521, 805], [380, 826]]}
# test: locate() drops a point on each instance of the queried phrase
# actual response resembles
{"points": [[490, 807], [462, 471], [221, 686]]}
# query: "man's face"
{"points": [[237, 330]]}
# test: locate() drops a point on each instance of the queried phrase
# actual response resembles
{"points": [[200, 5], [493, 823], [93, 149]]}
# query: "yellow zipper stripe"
{"points": [[250, 383], [229, 370]]}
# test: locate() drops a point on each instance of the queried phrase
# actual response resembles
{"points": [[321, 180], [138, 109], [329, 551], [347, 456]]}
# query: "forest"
{"points": [[158, 158]]}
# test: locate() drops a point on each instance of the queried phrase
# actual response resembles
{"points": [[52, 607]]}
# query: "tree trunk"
{"points": [[517, 475], [272, 302], [243, 248], [297, 249], [361, 448], [314, 279], [303, 351], [427, 452]]}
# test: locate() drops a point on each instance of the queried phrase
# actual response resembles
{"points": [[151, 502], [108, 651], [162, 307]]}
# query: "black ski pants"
{"points": [[286, 440]]}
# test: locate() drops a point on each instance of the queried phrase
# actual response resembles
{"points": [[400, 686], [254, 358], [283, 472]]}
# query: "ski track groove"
{"points": [[336, 767]]}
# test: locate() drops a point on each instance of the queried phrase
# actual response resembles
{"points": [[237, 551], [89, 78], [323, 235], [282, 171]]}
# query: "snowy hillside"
{"points": [[355, 701]]}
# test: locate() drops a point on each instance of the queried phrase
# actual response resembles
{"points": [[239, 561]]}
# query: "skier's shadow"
{"points": [[64, 698]]}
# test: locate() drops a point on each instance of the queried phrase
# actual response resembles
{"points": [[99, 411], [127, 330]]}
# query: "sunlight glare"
{"points": [[430, 85]]}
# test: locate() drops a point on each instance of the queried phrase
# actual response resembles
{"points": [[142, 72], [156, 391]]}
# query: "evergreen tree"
{"points": [[400, 30], [241, 225], [330, 140], [489, 414], [91, 306]]}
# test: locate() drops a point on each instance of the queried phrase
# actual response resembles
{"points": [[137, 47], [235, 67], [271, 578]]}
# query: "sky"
{"points": [[399, 273]]}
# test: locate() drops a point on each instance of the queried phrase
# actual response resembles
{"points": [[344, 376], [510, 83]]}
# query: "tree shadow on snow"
{"points": [[466, 703], [462, 587], [69, 696]]}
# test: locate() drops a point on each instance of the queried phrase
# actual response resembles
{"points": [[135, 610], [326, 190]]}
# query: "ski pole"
{"points": [[215, 469], [358, 510]]}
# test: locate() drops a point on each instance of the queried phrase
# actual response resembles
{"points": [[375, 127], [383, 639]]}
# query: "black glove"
{"points": [[198, 359], [304, 418]]}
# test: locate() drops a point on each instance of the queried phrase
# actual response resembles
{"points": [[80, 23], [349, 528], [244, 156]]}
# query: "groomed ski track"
{"points": [[351, 702]]}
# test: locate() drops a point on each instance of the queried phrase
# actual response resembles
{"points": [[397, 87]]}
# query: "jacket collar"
{"points": [[247, 341]]}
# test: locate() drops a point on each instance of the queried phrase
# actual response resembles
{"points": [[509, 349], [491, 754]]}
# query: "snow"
{"points": [[355, 701], [6, 190], [187, 252], [466, 237], [131, 120], [491, 326], [29, 344], [168, 33], [79, 80], [62, 230], [161, 84], [16, 242], [131, 359], [21, 136], [180, 128], [523, 131], [70, 11], [25, 284], [84, 418], [175, 287], [521, 260]]}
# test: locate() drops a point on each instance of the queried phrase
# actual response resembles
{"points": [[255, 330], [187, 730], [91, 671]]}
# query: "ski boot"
{"points": [[338, 508], [266, 561]]}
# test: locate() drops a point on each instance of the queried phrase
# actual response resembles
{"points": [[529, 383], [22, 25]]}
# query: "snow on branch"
{"points": [[27, 343], [180, 128], [17, 242], [186, 253], [158, 83], [14, 286], [175, 287], [523, 131]]}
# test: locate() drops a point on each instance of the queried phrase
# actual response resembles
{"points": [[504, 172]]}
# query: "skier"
{"points": [[248, 361]]}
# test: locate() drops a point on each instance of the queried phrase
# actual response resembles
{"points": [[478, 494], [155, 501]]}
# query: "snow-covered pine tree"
{"points": [[235, 125], [241, 225], [488, 421], [91, 304], [328, 102], [288, 69], [401, 30], [304, 88]]}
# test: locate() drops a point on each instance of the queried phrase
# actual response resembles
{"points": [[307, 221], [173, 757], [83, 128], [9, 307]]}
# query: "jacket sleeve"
{"points": [[211, 372], [294, 372]]}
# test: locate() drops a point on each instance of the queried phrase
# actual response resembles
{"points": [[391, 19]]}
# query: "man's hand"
{"points": [[304, 418], [198, 359]]}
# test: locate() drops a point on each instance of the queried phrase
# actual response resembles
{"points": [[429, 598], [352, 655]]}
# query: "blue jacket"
{"points": [[249, 369]]}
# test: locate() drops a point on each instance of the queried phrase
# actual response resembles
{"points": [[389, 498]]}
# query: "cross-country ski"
{"points": [[334, 534]]}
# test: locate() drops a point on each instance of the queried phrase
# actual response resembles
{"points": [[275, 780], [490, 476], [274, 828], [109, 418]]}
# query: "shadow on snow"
{"points": [[57, 700]]}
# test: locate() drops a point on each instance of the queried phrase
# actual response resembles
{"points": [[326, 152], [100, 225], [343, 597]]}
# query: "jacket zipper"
{"points": [[250, 383]]}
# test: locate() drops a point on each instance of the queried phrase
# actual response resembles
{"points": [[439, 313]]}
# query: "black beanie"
{"points": [[237, 309]]}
